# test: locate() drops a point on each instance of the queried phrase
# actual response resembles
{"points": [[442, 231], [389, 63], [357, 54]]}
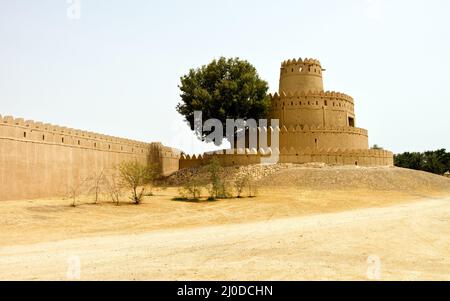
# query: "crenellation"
{"points": [[39, 132]]}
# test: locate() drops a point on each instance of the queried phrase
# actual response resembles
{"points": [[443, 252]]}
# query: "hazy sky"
{"points": [[115, 70]]}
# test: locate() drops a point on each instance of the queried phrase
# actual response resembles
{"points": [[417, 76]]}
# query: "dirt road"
{"points": [[406, 241]]}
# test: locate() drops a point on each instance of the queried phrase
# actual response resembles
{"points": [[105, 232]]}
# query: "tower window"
{"points": [[24, 134], [43, 137], [79, 142], [62, 140], [326, 103], [301, 69], [351, 121]]}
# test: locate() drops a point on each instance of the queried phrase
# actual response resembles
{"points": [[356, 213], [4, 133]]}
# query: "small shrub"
{"points": [[252, 188], [240, 183], [113, 186], [137, 177], [191, 190], [97, 184], [76, 189]]}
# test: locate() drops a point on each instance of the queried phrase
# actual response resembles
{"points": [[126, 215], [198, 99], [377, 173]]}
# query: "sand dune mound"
{"points": [[323, 177], [350, 177]]}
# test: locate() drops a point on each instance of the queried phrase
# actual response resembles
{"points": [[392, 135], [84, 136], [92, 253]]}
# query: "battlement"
{"points": [[300, 75], [300, 61], [336, 156], [312, 94], [29, 130]]}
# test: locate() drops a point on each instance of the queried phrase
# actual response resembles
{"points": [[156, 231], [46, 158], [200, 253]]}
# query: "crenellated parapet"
{"points": [[314, 94], [39, 132], [336, 156], [44, 160], [301, 75]]}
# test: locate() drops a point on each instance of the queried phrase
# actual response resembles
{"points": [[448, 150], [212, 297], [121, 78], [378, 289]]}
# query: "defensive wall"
{"points": [[43, 160], [367, 157]]}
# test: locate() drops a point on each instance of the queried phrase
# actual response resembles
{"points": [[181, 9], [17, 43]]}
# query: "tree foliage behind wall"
{"points": [[437, 162], [224, 89]]}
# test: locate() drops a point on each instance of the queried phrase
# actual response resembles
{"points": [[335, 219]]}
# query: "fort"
{"points": [[42, 160], [314, 125]]}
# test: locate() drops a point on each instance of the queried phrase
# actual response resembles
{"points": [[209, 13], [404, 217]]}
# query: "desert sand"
{"points": [[301, 230]]}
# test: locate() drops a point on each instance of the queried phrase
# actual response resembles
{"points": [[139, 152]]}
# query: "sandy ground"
{"points": [[283, 234]]}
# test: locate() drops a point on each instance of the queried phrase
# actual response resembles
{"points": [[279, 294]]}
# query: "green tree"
{"points": [[437, 162], [224, 89]]}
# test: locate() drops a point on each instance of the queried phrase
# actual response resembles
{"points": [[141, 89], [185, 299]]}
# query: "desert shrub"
{"points": [[113, 185], [76, 189], [252, 188], [136, 177], [97, 183], [191, 189], [215, 183], [240, 183], [218, 188]]}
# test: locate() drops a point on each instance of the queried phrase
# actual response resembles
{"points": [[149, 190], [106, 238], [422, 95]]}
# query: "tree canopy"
{"points": [[437, 162], [223, 89]]}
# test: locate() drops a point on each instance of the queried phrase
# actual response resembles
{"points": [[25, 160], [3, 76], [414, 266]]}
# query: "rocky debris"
{"points": [[255, 172]]}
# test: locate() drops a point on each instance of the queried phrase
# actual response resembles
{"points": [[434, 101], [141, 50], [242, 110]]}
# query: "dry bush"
{"points": [[76, 189], [98, 183], [192, 189], [137, 177], [252, 188], [240, 183], [113, 185]]}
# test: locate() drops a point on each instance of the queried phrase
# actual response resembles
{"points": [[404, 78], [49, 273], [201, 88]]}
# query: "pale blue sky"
{"points": [[116, 69]]}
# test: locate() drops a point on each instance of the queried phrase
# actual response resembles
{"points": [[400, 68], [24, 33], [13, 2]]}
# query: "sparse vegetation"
{"points": [[218, 188], [376, 147], [252, 188], [240, 184], [76, 189], [191, 190], [136, 177], [113, 186], [98, 183]]}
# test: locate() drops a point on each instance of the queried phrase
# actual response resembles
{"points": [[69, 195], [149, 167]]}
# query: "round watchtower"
{"points": [[301, 76]]}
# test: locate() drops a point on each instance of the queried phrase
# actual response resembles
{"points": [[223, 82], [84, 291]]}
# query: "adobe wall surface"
{"points": [[301, 75], [42, 160], [312, 108], [298, 156]]}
